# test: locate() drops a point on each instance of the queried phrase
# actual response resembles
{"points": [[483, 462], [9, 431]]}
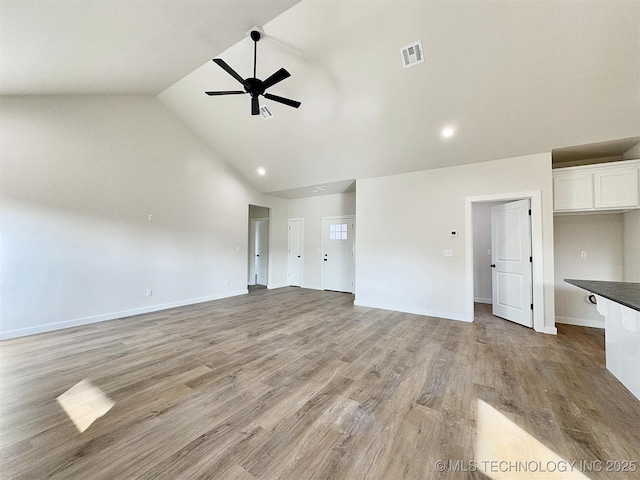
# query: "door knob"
{"points": [[493, 265], [298, 256]]}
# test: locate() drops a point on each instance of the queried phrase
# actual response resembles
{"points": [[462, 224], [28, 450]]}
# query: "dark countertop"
{"points": [[624, 293]]}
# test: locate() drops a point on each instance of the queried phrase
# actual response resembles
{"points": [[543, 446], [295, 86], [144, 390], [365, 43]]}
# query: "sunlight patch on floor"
{"points": [[84, 403], [506, 451]]}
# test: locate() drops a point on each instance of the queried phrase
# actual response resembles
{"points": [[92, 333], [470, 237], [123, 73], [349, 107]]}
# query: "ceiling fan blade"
{"points": [[286, 101], [275, 78], [228, 92], [255, 106], [231, 71]]}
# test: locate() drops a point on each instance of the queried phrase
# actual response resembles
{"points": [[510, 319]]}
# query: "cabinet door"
{"points": [[573, 191], [616, 188]]}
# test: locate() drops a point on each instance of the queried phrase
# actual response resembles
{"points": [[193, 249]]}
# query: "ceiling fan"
{"points": [[254, 86]]}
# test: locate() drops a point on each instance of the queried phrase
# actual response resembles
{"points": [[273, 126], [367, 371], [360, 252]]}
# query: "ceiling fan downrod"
{"points": [[254, 86]]}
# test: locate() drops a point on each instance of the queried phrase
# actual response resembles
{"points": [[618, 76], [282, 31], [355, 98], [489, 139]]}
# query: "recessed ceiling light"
{"points": [[447, 132], [262, 171]]}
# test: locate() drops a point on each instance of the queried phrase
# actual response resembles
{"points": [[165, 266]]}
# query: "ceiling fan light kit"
{"points": [[253, 85]]}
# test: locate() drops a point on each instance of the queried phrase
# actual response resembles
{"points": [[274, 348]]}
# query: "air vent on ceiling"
{"points": [[412, 54], [265, 112]]}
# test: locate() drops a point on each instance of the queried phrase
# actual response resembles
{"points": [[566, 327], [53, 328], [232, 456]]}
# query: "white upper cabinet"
{"points": [[615, 188], [573, 191], [610, 186]]}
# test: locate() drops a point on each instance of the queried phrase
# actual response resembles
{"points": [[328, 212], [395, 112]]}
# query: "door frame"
{"points": [[537, 252], [352, 216]]}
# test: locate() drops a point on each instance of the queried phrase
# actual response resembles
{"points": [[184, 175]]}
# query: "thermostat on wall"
{"points": [[454, 233]]}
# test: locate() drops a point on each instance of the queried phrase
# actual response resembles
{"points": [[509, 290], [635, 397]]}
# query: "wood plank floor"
{"points": [[301, 384]]}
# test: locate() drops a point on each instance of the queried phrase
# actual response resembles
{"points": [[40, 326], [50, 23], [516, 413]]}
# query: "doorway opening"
{"points": [[259, 234], [480, 275]]}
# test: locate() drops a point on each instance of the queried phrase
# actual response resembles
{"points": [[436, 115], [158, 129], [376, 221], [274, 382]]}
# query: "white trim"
{"points": [[581, 322], [536, 249], [488, 301], [50, 327], [416, 311]]}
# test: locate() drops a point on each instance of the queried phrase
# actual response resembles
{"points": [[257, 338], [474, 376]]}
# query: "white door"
{"points": [[511, 262], [262, 252], [338, 256], [296, 247]]}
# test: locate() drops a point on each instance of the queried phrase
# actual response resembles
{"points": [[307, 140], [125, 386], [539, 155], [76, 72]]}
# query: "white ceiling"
{"points": [[512, 78], [117, 47]]}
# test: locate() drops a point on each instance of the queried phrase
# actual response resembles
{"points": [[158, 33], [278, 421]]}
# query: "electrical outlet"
{"points": [[583, 254], [151, 217], [149, 292], [447, 253]]}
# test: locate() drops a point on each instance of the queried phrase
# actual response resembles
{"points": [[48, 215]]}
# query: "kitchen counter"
{"points": [[619, 304], [624, 293]]}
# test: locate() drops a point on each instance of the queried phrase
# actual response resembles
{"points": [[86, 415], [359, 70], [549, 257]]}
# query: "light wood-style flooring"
{"points": [[301, 384]]}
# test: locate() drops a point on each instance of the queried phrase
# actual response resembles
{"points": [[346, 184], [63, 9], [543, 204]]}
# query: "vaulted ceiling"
{"points": [[511, 78]]}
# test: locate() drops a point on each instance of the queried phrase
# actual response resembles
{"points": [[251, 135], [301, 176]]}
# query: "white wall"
{"points": [[481, 245], [601, 237], [631, 246], [80, 175], [312, 209], [403, 227]]}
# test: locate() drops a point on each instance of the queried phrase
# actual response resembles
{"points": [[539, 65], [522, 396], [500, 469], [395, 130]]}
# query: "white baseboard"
{"points": [[50, 327], [483, 300], [581, 322]]}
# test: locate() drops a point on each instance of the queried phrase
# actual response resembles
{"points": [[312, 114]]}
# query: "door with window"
{"points": [[338, 255]]}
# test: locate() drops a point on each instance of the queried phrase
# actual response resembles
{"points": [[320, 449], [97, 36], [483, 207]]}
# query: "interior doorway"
{"points": [[502, 259], [480, 281], [258, 272]]}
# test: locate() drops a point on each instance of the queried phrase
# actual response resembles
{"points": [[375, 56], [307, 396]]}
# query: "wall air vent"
{"points": [[412, 54], [265, 112]]}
